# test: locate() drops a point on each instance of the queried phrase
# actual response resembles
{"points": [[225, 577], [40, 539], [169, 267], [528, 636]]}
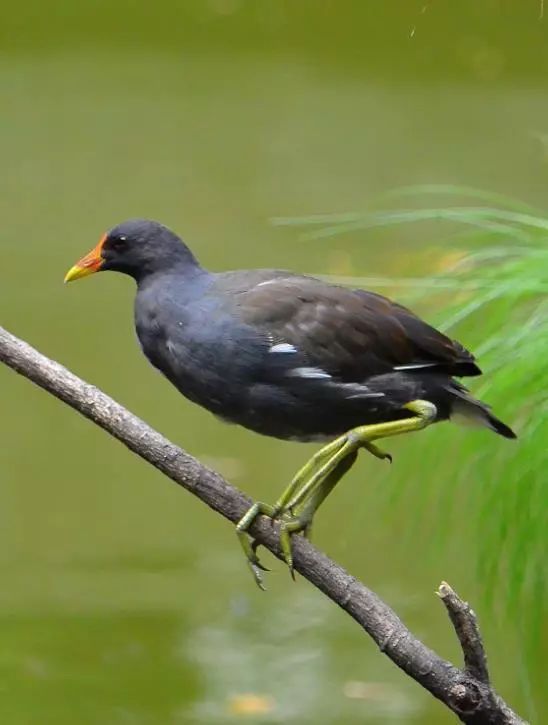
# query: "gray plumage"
{"points": [[283, 354]]}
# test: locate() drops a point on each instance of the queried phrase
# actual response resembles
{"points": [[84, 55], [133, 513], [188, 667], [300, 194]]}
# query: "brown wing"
{"points": [[350, 334]]}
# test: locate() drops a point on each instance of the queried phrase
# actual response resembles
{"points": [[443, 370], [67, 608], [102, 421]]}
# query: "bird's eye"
{"points": [[118, 243]]}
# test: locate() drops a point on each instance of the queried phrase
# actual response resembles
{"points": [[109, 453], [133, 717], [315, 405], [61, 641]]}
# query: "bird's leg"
{"points": [[302, 521], [313, 464], [304, 473], [313, 493], [317, 478], [361, 437], [272, 512]]}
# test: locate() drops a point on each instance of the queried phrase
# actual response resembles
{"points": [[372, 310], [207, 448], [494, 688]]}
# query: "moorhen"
{"points": [[288, 356]]}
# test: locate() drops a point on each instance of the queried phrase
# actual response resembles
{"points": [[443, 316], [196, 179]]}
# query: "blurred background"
{"points": [[236, 122]]}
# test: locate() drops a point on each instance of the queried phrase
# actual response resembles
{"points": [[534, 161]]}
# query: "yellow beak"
{"points": [[89, 264]]}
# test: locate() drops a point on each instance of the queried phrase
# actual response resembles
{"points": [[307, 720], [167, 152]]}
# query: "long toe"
{"points": [[289, 527], [248, 547], [254, 546]]}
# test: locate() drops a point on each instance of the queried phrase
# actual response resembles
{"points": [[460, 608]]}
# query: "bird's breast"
{"points": [[202, 357]]}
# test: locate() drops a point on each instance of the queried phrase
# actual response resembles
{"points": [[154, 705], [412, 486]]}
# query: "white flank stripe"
{"points": [[283, 347], [358, 390], [312, 373], [415, 366]]}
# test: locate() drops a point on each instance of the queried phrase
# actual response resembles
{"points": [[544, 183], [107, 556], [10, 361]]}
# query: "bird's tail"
{"points": [[471, 411]]}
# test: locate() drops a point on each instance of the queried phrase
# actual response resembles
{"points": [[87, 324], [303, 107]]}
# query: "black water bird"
{"points": [[288, 356]]}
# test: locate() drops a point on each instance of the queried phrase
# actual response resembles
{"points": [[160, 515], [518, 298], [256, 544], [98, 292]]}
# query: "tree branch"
{"points": [[467, 630], [466, 692]]}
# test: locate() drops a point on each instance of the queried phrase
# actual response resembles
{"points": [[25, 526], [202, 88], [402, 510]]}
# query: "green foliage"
{"points": [[492, 294]]}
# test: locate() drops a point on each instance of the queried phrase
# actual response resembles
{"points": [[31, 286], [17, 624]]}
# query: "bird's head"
{"points": [[137, 247]]}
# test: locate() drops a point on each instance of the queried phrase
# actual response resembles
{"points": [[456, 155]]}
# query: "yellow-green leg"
{"points": [[301, 521], [362, 437], [317, 478]]}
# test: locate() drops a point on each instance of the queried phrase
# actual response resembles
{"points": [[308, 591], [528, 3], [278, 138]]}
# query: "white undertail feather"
{"points": [[469, 414]]}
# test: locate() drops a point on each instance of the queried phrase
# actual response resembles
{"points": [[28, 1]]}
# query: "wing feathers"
{"points": [[349, 334]]}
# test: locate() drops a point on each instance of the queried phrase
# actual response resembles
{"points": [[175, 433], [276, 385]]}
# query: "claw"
{"points": [[256, 561], [256, 571], [285, 545]]}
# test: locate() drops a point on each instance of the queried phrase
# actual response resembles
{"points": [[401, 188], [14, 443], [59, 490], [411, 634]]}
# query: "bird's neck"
{"points": [[178, 270]]}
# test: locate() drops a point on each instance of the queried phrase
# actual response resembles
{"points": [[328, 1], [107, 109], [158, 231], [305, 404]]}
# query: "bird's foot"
{"points": [[296, 507], [250, 548], [289, 524]]}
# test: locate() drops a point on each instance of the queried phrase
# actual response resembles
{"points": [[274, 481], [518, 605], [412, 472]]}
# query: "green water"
{"points": [[123, 599]]}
